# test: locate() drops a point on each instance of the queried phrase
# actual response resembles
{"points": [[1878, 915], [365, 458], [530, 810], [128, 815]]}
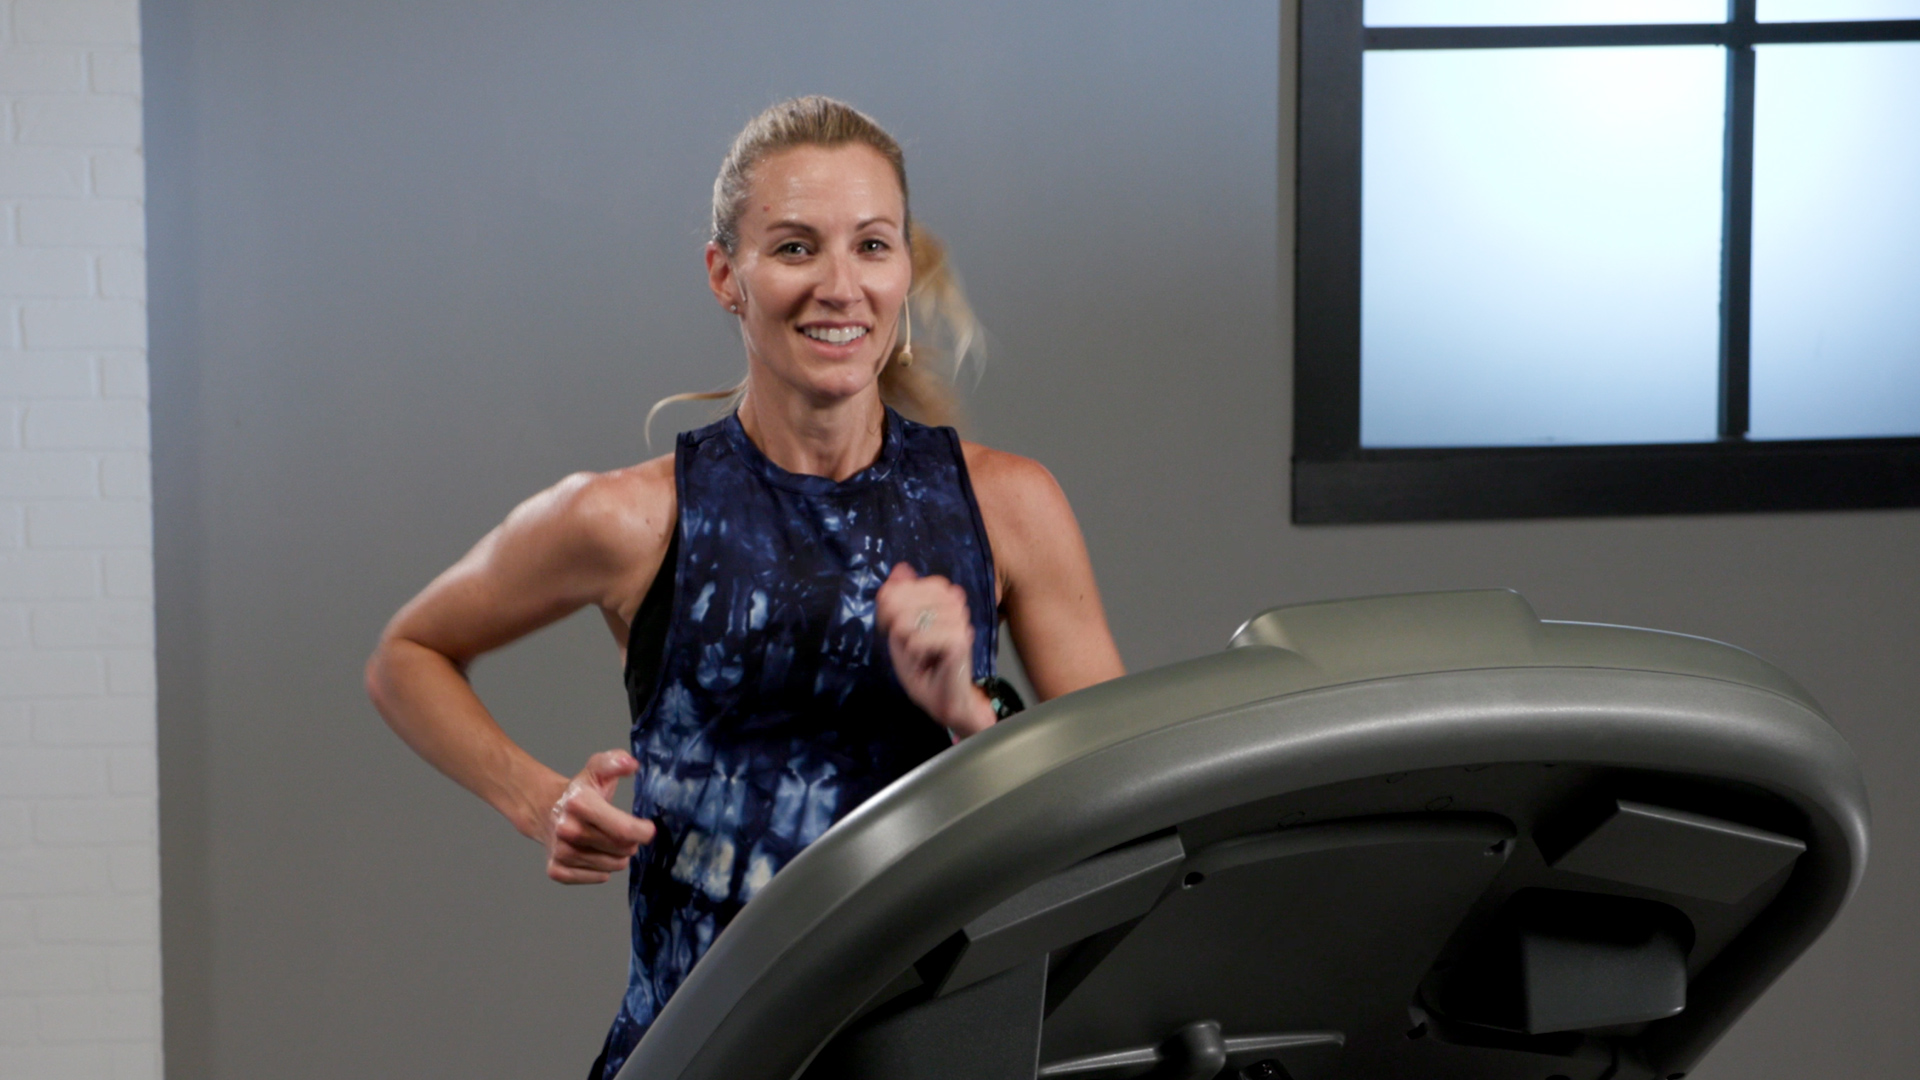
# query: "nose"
{"points": [[840, 284]]}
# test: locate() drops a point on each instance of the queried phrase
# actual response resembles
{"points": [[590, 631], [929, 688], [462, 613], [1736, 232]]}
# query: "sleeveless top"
{"points": [[764, 702]]}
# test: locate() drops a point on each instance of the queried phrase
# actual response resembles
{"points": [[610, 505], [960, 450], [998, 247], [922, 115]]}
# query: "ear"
{"points": [[720, 278]]}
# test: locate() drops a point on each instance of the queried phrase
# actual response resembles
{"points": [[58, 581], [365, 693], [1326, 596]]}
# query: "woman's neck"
{"points": [[801, 437]]}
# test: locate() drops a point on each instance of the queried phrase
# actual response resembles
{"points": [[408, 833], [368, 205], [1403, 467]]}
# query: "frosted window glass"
{"points": [[1542, 12], [1836, 10], [1540, 246], [1836, 241]]}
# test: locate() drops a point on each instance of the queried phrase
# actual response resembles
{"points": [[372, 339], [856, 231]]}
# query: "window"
{"points": [[1606, 257]]}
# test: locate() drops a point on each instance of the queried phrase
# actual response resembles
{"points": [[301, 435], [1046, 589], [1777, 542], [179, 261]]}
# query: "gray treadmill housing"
{"points": [[1397, 837]]}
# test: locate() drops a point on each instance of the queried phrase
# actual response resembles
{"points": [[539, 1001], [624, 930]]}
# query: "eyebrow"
{"points": [[794, 225]]}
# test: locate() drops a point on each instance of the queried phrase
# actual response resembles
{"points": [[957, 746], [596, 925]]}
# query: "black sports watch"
{"points": [[1001, 695]]}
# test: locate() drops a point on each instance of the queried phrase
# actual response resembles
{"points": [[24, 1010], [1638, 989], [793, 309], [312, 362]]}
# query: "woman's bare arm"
{"points": [[591, 539], [1047, 588]]}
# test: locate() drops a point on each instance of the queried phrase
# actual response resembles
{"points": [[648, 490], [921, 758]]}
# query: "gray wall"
{"points": [[414, 261]]}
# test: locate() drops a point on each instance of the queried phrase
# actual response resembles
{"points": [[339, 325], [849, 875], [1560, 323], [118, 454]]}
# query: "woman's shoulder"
{"points": [[1002, 468], [610, 518], [1015, 492]]}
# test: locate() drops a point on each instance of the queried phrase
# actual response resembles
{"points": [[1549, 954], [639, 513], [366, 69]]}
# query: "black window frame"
{"points": [[1336, 480]]}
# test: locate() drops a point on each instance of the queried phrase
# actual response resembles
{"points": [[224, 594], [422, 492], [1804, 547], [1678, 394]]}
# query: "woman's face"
{"points": [[820, 270]]}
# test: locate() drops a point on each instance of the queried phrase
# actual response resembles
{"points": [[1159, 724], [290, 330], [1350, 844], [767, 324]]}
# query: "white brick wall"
{"points": [[79, 864]]}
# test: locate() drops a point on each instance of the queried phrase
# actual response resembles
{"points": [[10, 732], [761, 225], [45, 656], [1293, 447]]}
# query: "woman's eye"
{"points": [[791, 247], [873, 244]]}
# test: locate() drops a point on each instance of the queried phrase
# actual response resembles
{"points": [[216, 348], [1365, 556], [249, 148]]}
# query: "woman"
{"points": [[752, 576]]}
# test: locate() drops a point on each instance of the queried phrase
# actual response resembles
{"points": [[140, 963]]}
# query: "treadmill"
{"points": [[1416, 837]]}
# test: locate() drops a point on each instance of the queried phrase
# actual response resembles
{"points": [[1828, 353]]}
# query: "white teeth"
{"points": [[836, 335]]}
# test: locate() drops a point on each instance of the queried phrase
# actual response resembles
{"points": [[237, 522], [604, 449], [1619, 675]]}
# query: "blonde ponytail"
{"points": [[731, 395], [923, 389]]}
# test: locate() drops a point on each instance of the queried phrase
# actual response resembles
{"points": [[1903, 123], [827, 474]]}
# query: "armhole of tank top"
{"points": [[647, 637], [991, 571]]}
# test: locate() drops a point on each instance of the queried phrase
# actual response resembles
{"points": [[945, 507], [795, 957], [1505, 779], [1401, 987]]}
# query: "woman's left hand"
{"points": [[930, 635]]}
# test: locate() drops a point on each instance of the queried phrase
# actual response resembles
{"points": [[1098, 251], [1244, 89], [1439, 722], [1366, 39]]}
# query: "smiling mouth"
{"points": [[835, 335]]}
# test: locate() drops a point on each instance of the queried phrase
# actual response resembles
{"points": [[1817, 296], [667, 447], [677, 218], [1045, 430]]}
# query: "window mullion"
{"points": [[1736, 272]]}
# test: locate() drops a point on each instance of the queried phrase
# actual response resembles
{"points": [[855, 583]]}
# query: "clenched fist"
{"points": [[588, 838], [930, 637]]}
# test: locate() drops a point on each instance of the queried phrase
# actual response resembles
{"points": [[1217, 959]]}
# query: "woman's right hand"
{"points": [[588, 838]]}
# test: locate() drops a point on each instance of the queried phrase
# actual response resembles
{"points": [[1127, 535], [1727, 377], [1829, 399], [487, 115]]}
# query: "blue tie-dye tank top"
{"points": [[772, 710]]}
